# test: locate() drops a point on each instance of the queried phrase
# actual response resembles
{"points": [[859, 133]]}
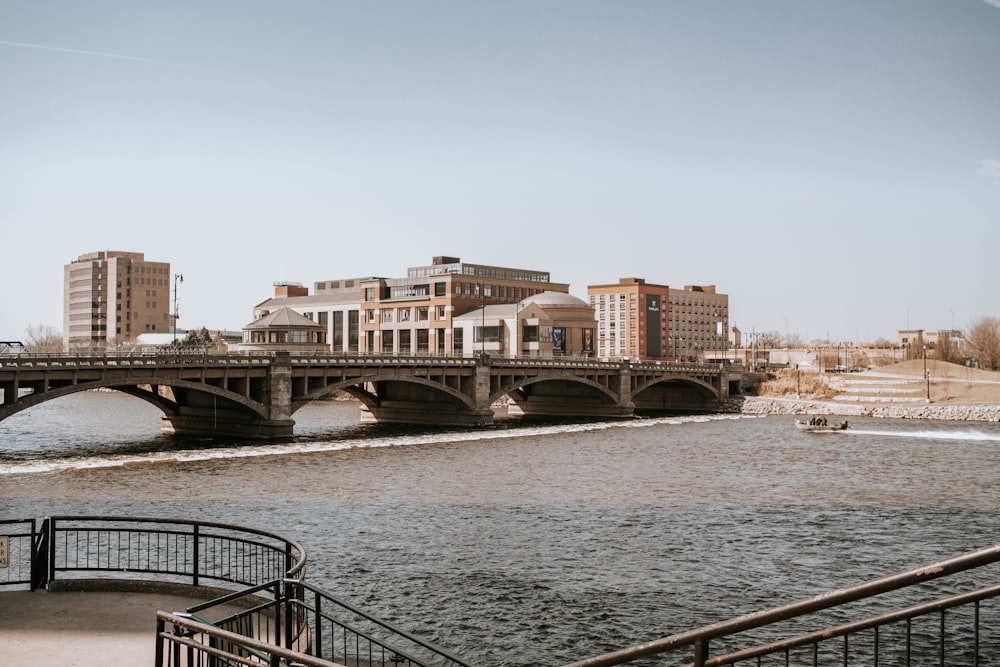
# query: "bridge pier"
{"points": [[224, 423]]}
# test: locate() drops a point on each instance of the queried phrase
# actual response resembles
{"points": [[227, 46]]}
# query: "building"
{"points": [[407, 316], [415, 315], [699, 323], [632, 320], [335, 305], [284, 329], [111, 297], [550, 324]]}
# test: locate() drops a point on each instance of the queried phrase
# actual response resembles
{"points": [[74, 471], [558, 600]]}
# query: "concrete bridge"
{"points": [[256, 394]]}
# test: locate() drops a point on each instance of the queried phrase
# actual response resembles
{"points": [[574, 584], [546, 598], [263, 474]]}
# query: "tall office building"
{"points": [[631, 319], [699, 322], [110, 297]]}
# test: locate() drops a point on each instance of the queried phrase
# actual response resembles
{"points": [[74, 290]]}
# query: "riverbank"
{"points": [[772, 405], [899, 391]]}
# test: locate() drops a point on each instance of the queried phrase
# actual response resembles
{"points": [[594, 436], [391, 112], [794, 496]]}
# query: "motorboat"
{"points": [[807, 427]]}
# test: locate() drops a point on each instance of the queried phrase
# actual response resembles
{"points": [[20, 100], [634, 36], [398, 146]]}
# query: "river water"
{"points": [[536, 543]]}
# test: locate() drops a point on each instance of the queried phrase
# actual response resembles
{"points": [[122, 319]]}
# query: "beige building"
{"points": [[699, 323], [335, 305], [112, 297], [284, 329], [550, 324], [415, 315], [632, 320], [412, 315]]}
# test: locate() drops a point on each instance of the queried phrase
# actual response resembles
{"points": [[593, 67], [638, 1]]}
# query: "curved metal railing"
{"points": [[169, 550]]}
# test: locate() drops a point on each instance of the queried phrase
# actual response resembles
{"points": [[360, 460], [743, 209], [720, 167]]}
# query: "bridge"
{"points": [[256, 394]]}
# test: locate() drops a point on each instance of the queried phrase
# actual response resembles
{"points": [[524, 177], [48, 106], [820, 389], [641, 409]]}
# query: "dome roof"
{"points": [[556, 299]]}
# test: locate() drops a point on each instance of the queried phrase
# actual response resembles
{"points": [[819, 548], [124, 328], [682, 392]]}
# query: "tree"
{"points": [[983, 337], [769, 339], [201, 338], [43, 338], [945, 348]]}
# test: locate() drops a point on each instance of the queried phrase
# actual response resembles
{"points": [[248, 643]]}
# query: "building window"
{"points": [[388, 315], [404, 314], [439, 288], [457, 342], [422, 314]]}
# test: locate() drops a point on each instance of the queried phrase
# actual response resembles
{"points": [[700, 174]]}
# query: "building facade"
{"points": [[412, 315], [335, 306], [111, 297], [632, 320], [699, 323], [415, 315], [546, 325]]}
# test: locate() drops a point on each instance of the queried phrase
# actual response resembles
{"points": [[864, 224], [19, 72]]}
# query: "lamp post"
{"points": [[178, 277], [927, 375]]}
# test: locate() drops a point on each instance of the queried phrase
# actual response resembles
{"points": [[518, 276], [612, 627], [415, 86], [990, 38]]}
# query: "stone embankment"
{"points": [[773, 405]]}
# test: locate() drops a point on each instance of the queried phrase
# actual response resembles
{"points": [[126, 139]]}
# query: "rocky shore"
{"points": [[771, 405]]}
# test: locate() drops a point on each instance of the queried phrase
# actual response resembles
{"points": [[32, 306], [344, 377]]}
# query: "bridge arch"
{"points": [[134, 388], [521, 384], [675, 393], [356, 388]]}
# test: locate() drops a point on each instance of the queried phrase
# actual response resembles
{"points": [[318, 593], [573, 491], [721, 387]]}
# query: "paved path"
{"points": [[81, 628]]}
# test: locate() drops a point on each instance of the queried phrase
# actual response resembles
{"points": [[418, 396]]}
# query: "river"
{"points": [[537, 543]]}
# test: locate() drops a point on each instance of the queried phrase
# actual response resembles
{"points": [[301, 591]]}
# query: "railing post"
{"points": [[160, 627], [51, 569], [700, 652], [196, 555], [39, 555]]}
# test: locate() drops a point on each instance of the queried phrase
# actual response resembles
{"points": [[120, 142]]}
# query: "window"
{"points": [[388, 315], [439, 289], [370, 315], [458, 344], [423, 346], [441, 312], [387, 341], [422, 314], [487, 334], [404, 314]]}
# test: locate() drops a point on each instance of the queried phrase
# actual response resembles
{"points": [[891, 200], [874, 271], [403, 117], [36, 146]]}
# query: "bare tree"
{"points": [[945, 348], [769, 339], [983, 337], [43, 338]]}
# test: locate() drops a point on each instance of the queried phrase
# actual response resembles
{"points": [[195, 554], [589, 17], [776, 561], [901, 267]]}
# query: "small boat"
{"points": [[806, 427]]}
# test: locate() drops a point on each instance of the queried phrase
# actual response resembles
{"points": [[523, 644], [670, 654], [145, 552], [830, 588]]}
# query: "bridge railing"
{"points": [[953, 626]]}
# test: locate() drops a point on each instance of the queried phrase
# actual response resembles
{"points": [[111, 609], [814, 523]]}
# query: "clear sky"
{"points": [[832, 166]]}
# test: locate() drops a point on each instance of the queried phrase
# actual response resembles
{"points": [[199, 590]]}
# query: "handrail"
{"points": [[699, 638], [193, 627], [293, 554]]}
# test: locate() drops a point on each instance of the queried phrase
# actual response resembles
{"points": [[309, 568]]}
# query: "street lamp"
{"points": [[178, 277]]}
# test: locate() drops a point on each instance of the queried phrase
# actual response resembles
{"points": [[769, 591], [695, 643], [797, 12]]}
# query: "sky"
{"points": [[834, 167]]}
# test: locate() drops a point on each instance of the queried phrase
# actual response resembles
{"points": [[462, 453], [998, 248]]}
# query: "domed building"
{"points": [[548, 324]]}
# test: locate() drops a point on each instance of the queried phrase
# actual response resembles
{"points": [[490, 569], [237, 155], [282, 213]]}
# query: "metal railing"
{"points": [[305, 618], [169, 550], [918, 634], [19, 543]]}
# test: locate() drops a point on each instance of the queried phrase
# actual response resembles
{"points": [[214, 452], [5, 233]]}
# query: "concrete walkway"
{"points": [[81, 628]]}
